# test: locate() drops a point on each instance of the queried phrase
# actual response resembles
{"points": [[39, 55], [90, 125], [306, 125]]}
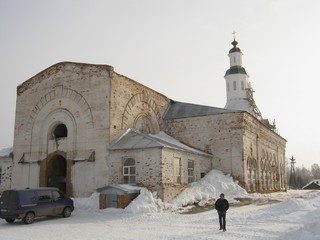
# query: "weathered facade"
{"points": [[6, 157], [241, 145], [83, 126], [66, 118]]}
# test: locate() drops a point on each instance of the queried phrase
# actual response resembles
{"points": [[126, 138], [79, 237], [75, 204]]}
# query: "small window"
{"points": [[242, 85], [0, 175], [190, 171], [234, 85], [60, 131], [129, 171], [177, 170]]}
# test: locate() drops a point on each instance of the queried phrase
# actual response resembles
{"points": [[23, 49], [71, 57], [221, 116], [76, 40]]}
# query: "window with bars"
{"points": [[129, 171], [190, 171]]}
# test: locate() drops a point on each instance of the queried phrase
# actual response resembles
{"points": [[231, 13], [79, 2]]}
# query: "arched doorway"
{"points": [[57, 172]]}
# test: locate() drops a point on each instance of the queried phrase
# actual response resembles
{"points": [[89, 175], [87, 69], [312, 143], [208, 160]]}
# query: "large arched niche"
{"points": [[58, 141], [141, 112], [62, 97], [43, 139]]}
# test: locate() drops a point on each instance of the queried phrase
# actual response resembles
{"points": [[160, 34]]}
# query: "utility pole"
{"points": [[292, 179]]}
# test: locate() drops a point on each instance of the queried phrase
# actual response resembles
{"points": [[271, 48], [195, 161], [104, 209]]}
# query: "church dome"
{"points": [[235, 48], [236, 70]]}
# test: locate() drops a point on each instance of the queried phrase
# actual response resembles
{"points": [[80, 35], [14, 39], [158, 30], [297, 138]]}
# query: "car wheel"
{"points": [[66, 212], [10, 220], [29, 218]]}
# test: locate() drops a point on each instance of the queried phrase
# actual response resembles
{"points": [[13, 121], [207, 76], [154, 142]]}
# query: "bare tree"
{"points": [[315, 171]]}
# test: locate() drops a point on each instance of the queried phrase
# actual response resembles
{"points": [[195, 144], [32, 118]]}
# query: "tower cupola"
{"points": [[239, 91]]}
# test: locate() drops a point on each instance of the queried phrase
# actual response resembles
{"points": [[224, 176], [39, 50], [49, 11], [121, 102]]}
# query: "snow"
{"points": [[293, 215], [5, 151]]}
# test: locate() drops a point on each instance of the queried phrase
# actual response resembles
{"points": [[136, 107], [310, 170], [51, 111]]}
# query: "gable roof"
{"points": [[184, 110], [133, 139], [314, 184]]}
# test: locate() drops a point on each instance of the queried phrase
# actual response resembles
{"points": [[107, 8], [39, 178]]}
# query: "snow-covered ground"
{"points": [[293, 215]]}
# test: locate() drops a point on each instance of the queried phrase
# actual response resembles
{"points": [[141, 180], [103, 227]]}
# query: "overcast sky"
{"points": [[178, 48]]}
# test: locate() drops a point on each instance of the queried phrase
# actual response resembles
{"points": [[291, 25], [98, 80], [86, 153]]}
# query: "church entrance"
{"points": [[57, 172]]}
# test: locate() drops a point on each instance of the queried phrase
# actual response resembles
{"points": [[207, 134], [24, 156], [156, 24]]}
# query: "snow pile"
{"points": [[5, 151], [146, 202], [208, 188], [91, 202]]}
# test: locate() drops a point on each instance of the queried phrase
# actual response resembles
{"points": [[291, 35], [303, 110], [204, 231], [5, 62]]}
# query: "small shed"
{"points": [[314, 184], [117, 196]]}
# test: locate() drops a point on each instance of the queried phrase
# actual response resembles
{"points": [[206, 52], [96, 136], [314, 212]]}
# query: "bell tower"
{"points": [[238, 86]]}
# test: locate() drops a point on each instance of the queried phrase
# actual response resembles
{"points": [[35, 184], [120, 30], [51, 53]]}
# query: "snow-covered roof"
{"points": [[133, 139], [119, 188], [5, 151], [314, 181]]}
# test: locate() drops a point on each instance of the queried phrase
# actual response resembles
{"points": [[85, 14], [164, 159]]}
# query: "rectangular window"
{"points": [[190, 171], [129, 171], [0, 175], [177, 170]]}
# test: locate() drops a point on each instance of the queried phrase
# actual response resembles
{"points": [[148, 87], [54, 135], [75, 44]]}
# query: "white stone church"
{"points": [[81, 127]]}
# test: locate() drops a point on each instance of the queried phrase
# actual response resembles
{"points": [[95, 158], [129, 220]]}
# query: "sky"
{"points": [[178, 48], [293, 215]]}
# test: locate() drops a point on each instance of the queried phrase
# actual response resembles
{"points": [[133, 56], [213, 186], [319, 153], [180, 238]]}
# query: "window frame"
{"points": [[177, 170], [129, 171], [190, 171]]}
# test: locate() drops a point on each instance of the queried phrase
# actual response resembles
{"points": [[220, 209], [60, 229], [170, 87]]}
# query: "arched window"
{"points": [[60, 131], [129, 171]]}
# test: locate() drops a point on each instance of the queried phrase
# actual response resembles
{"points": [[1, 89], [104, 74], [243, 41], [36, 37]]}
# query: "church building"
{"points": [[81, 127]]}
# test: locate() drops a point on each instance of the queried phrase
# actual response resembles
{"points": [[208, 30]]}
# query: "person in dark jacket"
{"points": [[222, 205]]}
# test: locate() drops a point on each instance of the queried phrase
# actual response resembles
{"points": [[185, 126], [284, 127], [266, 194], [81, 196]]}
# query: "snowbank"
{"points": [[91, 202], [5, 151], [206, 189]]}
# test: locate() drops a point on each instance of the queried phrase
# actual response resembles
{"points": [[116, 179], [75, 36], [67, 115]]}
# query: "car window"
{"points": [[9, 196], [5, 197], [27, 197], [44, 195], [57, 195]]}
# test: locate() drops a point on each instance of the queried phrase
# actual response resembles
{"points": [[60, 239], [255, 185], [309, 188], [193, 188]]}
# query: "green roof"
{"points": [[236, 70]]}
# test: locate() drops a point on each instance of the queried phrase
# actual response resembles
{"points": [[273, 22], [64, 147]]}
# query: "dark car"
{"points": [[26, 204]]}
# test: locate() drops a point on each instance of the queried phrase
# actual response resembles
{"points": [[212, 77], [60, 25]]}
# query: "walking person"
{"points": [[222, 205]]}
